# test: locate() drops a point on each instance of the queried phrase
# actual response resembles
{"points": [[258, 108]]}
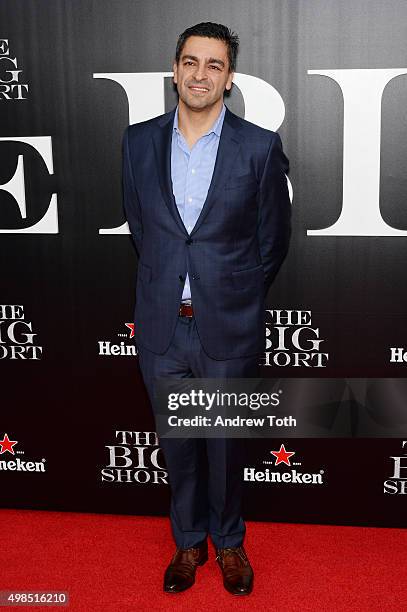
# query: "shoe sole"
{"points": [[237, 592]]}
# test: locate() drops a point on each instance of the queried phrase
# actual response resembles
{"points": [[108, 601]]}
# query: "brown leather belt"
{"points": [[186, 310]]}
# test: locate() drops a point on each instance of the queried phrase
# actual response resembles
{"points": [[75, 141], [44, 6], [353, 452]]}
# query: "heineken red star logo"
{"points": [[7, 445], [282, 455], [131, 328]]}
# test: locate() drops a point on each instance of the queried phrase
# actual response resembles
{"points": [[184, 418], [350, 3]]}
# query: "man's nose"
{"points": [[200, 73]]}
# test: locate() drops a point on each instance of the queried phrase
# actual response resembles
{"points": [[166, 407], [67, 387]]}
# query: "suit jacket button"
{"points": [[189, 241]]}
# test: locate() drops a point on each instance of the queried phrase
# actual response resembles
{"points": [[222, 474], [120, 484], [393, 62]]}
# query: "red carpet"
{"points": [[115, 563]]}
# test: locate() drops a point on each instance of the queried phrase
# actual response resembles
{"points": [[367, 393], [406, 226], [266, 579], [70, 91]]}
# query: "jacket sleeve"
{"points": [[274, 212], [131, 201]]}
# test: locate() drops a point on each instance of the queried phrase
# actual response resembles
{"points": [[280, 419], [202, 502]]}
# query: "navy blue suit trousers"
{"points": [[205, 473]]}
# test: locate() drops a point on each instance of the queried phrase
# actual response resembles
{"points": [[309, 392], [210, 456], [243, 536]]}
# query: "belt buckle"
{"points": [[181, 314]]}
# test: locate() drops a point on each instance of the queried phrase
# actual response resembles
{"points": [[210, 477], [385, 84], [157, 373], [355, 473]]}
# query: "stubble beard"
{"points": [[197, 103]]}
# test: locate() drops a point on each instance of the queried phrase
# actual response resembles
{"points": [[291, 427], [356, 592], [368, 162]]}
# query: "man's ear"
{"points": [[229, 82], [174, 68]]}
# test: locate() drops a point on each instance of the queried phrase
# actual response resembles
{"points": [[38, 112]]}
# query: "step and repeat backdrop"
{"points": [[76, 429]]}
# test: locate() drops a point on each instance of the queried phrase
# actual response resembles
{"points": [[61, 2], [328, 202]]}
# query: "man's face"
{"points": [[202, 73]]}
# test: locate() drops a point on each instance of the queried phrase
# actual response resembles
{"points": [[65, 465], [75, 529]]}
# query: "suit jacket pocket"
{"points": [[246, 180], [144, 272], [251, 277]]}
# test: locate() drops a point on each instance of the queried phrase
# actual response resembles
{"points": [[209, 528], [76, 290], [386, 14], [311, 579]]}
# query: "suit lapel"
{"points": [[229, 144], [162, 139]]}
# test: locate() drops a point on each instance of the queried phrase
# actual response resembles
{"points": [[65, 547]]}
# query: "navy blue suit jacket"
{"points": [[233, 252]]}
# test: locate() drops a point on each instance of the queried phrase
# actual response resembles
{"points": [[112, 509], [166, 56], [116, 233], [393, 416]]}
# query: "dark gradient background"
{"points": [[77, 286]]}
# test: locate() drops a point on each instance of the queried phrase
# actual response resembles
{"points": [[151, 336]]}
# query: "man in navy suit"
{"points": [[206, 198]]}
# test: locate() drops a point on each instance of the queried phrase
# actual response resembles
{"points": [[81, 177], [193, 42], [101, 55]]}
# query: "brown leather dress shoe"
{"points": [[236, 569], [180, 574]]}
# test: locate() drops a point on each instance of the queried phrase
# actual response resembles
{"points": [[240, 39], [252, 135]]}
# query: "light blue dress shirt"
{"points": [[191, 173]]}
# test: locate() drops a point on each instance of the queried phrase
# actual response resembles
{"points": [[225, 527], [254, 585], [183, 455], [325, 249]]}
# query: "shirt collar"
{"points": [[216, 128]]}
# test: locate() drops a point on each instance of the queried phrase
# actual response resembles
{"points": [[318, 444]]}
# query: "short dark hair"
{"points": [[208, 29]]}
